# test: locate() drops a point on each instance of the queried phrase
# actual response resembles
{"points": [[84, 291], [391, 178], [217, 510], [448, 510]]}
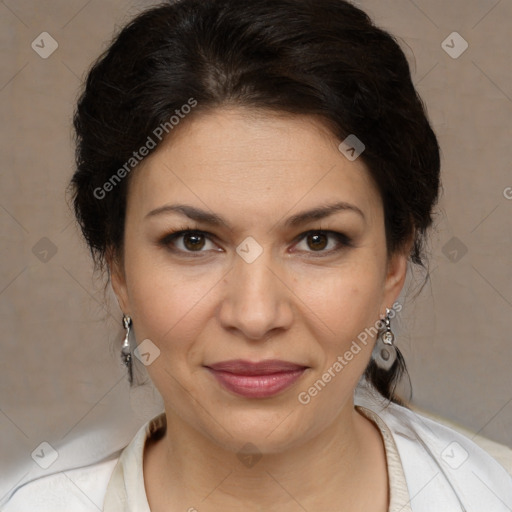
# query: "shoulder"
{"points": [[85, 488], [80, 490], [439, 460], [445, 470]]}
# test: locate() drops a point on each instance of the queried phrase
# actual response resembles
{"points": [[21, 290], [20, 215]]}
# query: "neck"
{"points": [[347, 459]]}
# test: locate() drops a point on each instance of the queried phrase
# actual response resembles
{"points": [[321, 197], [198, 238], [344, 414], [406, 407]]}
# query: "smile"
{"points": [[257, 386]]}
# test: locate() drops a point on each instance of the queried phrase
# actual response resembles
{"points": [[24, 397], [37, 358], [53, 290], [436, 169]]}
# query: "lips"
{"points": [[262, 379], [265, 367]]}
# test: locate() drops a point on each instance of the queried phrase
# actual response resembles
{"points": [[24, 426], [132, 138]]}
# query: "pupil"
{"points": [[192, 245], [316, 237]]}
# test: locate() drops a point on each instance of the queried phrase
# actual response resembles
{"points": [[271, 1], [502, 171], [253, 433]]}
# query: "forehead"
{"points": [[239, 161]]}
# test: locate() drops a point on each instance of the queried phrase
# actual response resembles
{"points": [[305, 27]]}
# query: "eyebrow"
{"points": [[213, 219]]}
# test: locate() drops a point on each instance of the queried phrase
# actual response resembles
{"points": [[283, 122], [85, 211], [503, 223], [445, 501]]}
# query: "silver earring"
{"points": [[384, 353], [126, 355]]}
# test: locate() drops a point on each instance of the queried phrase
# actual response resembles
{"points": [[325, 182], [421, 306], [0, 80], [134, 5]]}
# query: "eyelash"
{"points": [[343, 240]]}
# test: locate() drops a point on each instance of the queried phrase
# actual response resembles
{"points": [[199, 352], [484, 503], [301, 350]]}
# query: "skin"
{"points": [[299, 301]]}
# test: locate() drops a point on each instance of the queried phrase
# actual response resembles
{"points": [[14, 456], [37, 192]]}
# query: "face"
{"points": [[264, 283]]}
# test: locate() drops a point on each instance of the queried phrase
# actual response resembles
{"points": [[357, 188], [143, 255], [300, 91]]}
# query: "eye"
{"points": [[191, 241], [318, 240]]}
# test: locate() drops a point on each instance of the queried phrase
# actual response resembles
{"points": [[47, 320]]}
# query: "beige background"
{"points": [[59, 370]]}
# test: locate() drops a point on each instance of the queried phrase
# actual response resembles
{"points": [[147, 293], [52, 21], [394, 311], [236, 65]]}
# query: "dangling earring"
{"points": [[126, 355], [384, 353]]}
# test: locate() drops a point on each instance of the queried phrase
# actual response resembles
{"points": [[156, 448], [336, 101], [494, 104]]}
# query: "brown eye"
{"points": [[317, 241], [186, 241], [193, 241]]}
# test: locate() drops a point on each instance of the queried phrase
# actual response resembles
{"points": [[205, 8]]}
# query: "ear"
{"points": [[118, 280], [395, 276]]}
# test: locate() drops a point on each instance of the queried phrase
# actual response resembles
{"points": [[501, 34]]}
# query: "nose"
{"points": [[257, 300]]}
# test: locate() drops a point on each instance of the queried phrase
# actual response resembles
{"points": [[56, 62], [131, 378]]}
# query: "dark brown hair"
{"points": [[323, 58]]}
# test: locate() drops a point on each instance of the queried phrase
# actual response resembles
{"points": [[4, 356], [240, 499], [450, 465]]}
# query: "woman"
{"points": [[256, 177]]}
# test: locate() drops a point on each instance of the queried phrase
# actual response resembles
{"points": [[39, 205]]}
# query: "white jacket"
{"points": [[441, 471]]}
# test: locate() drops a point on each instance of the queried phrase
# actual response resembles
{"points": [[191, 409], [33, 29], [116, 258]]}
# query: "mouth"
{"points": [[265, 367], [256, 380]]}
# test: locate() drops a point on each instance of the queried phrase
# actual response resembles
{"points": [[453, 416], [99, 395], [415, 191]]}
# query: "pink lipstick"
{"points": [[256, 379]]}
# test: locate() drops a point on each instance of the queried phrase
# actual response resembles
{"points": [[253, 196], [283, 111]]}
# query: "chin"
{"points": [[259, 432]]}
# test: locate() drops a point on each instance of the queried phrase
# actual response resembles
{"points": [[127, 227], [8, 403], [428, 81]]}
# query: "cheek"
{"points": [[163, 305], [351, 314], [168, 303], [347, 303], [346, 300]]}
